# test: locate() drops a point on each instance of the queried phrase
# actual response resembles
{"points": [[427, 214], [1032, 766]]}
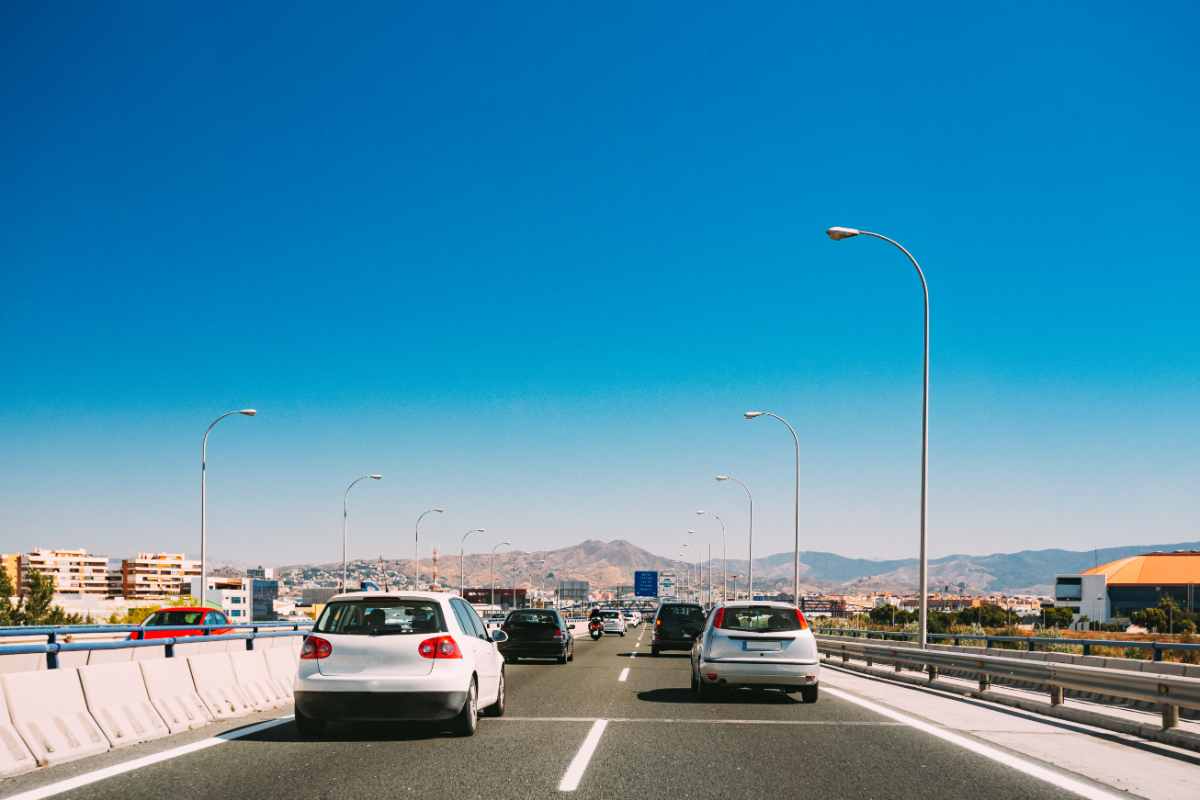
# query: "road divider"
{"points": [[250, 670], [217, 685], [15, 757], [116, 697], [48, 710], [173, 694]]}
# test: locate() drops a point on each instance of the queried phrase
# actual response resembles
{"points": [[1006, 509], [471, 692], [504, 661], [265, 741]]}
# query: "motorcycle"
{"points": [[595, 629]]}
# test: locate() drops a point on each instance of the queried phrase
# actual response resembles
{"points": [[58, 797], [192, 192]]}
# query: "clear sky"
{"points": [[533, 263]]}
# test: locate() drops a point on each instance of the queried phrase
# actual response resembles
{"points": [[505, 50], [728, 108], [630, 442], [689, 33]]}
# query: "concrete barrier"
{"points": [[49, 711], [169, 686], [281, 665], [217, 685], [22, 662], [15, 757], [116, 697], [109, 656], [250, 669]]}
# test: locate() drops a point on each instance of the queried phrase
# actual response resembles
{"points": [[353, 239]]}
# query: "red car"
{"points": [[181, 615]]}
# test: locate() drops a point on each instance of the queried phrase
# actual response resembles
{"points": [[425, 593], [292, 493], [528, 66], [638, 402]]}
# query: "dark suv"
{"points": [[676, 627], [537, 633]]}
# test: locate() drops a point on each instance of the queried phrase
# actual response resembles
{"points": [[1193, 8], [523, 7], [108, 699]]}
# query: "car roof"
{"points": [[185, 608], [758, 604], [395, 595]]}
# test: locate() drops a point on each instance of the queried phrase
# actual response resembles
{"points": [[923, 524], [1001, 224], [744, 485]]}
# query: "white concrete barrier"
{"points": [[169, 686], [250, 669], [23, 662], [15, 757], [116, 696], [49, 711], [281, 664], [217, 685], [109, 656]]}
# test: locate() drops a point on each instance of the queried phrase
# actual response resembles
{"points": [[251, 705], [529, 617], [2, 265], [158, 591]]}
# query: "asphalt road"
{"points": [[657, 741]]}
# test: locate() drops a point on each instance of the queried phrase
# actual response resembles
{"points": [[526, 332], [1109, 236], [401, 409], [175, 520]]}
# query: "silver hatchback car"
{"points": [[757, 644]]}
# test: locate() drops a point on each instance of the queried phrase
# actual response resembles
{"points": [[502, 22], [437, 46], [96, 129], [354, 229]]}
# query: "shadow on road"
{"points": [[355, 732], [750, 697]]}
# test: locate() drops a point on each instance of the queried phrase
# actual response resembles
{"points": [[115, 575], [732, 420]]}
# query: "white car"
{"points": [[633, 617], [764, 645], [614, 621], [399, 656]]}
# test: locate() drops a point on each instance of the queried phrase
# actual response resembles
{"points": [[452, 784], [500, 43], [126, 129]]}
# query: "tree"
{"points": [[6, 594], [1058, 617], [36, 606]]}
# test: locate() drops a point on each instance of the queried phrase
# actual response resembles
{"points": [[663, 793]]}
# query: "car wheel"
{"points": [[622, 634], [496, 709], [467, 720], [809, 693], [654, 651], [695, 683], [571, 653], [309, 727]]}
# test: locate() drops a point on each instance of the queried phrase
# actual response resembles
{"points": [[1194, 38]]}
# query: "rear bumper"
{"points": [[673, 644], [551, 649], [380, 706], [748, 672]]}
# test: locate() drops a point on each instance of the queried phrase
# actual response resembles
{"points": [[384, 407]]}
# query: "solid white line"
{"points": [[995, 754], [624, 675], [574, 774], [88, 778]]}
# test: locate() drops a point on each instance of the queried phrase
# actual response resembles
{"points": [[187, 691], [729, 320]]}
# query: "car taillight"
{"points": [[658, 623], [439, 647], [719, 619], [801, 620], [558, 634], [315, 647]]}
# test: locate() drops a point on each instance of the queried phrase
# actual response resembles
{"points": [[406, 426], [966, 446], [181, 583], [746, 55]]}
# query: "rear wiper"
{"points": [[387, 632]]}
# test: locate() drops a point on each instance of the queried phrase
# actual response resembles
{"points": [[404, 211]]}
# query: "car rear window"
{"points": [[530, 619], [611, 614], [763, 619], [381, 617], [174, 618], [680, 615]]}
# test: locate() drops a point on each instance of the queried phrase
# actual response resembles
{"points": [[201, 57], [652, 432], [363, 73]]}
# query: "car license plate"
{"points": [[762, 645]]}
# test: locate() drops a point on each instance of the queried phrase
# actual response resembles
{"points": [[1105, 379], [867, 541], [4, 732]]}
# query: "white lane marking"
{"points": [[987, 751], [683, 721], [574, 774], [624, 675], [51, 789]]}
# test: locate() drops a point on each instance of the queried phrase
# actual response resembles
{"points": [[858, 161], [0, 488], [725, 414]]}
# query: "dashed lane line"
{"points": [[579, 764], [624, 675]]}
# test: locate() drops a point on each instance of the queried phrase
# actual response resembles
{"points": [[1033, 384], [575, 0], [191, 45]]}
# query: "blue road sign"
{"points": [[645, 583]]}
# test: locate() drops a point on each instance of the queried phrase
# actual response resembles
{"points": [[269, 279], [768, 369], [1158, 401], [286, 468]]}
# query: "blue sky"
{"points": [[532, 265]]}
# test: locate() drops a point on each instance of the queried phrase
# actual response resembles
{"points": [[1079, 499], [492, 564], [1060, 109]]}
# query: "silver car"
{"points": [[764, 645]]}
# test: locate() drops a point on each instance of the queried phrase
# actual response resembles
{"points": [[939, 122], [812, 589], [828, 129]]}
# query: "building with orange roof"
{"points": [[1117, 589]]}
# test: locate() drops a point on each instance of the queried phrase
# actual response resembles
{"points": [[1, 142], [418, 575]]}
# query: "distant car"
{"points": [[495, 620], [537, 633], [757, 644], [172, 616], [676, 627], [633, 617], [613, 621], [399, 656]]}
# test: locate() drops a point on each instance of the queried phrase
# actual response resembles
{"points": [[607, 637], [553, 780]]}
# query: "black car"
{"points": [[537, 633], [676, 627]]}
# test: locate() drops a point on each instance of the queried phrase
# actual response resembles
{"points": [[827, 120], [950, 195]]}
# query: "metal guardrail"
{"points": [[1171, 692], [1031, 642], [60, 639]]}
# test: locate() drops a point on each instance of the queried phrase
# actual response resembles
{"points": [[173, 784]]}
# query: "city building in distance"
{"points": [[1115, 590]]}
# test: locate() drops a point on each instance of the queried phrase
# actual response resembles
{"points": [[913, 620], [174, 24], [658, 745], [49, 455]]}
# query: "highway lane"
{"points": [[657, 741]]}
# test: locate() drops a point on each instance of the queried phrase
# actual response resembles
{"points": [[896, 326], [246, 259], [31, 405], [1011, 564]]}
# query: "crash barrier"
{"points": [[55, 712], [1169, 692]]}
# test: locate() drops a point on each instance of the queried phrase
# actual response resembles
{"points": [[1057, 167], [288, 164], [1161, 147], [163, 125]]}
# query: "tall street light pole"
{"points": [[724, 559], [838, 233], [462, 558], [346, 525], [796, 510], [687, 570], [417, 544], [505, 543], [246, 412], [750, 543], [699, 584]]}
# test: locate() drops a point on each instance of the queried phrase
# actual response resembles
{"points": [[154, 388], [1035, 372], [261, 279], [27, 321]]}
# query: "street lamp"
{"points": [[796, 510], [345, 524], [698, 592], [687, 569], [417, 543], [724, 560], [837, 233], [462, 554], [505, 543], [246, 412], [750, 544]]}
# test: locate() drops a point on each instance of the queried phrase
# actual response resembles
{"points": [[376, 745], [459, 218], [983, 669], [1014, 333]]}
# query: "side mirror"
{"points": [[499, 636]]}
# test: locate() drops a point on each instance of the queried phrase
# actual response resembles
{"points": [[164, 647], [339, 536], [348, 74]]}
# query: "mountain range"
{"points": [[613, 563]]}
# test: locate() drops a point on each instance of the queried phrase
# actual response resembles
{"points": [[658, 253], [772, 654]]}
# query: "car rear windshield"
{"points": [[762, 619], [679, 615], [611, 614], [381, 617], [174, 618], [532, 619]]}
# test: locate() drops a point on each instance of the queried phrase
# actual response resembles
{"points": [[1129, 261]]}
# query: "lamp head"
{"points": [[700, 513], [249, 412], [837, 233], [722, 477], [438, 510], [376, 477], [753, 414]]}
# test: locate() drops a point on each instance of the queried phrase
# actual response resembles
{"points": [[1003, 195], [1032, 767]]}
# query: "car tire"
{"points": [[467, 721], [654, 651], [695, 683], [496, 709], [809, 693], [622, 634], [571, 653], [309, 727]]}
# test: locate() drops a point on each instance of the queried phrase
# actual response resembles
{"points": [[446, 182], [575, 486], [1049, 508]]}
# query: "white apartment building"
{"points": [[157, 575], [73, 571]]}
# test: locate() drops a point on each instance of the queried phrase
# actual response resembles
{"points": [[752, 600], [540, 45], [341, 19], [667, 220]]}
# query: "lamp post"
{"points": [[345, 524], [687, 570], [246, 412], [540, 564], [699, 590], [796, 509], [501, 544], [838, 233], [462, 556], [417, 543], [724, 559], [750, 542]]}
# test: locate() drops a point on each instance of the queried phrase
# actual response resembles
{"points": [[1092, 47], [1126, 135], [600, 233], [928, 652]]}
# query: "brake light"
{"points": [[558, 634], [658, 622], [439, 647], [719, 619], [315, 647], [801, 620]]}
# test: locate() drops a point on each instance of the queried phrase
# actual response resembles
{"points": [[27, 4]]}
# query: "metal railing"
{"points": [[61, 639], [1171, 692], [1031, 642]]}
